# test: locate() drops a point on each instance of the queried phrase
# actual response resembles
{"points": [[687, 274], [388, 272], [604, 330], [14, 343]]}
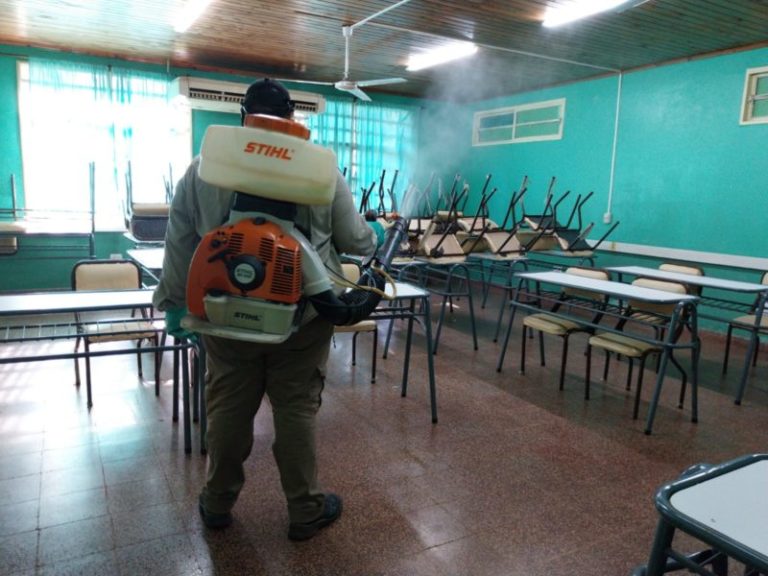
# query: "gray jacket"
{"points": [[198, 207]]}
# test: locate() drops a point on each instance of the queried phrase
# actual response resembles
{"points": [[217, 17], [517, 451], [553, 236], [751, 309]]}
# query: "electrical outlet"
{"points": [[607, 217], [116, 256]]}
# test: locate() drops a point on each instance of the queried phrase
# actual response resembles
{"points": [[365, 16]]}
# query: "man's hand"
{"points": [[173, 327]]}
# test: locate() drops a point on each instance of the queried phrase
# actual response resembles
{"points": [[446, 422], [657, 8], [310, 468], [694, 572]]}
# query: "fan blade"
{"points": [[301, 81], [357, 93], [381, 81]]}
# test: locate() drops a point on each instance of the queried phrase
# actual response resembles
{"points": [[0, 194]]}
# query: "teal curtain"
{"points": [[74, 114], [369, 138]]}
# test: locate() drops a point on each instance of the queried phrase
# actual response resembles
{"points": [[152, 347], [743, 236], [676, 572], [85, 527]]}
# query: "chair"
{"points": [[352, 274], [549, 324], [746, 323], [684, 269], [111, 275], [633, 348]]}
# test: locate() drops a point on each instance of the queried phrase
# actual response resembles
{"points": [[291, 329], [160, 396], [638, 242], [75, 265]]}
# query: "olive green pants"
{"points": [[237, 377]]}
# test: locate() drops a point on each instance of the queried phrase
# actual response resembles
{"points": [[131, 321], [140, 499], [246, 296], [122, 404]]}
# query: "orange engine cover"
{"points": [[253, 258]]}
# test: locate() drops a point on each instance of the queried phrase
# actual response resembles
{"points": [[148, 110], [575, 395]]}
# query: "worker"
{"points": [[240, 373]]}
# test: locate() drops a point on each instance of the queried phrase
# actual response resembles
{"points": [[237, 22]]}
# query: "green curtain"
{"points": [[73, 114], [369, 138]]}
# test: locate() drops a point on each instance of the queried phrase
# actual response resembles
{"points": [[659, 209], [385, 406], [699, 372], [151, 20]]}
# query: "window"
{"points": [[77, 115], [525, 123], [755, 107], [368, 138]]}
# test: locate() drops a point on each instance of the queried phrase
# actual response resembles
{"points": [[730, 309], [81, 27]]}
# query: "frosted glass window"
{"points": [[525, 123], [755, 105]]}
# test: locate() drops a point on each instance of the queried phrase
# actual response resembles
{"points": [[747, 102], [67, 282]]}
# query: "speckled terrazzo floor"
{"points": [[516, 478]]}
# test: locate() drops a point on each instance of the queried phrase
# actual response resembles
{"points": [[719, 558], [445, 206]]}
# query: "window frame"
{"points": [[747, 101], [515, 110]]}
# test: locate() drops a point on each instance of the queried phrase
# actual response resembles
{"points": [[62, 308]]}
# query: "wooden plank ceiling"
{"points": [[302, 39]]}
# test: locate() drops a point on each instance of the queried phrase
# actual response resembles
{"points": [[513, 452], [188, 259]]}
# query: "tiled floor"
{"points": [[517, 478]]}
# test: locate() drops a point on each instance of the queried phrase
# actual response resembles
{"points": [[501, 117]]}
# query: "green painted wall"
{"points": [[687, 174]]}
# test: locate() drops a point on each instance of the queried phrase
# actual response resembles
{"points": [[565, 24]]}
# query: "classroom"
{"points": [[383, 288]]}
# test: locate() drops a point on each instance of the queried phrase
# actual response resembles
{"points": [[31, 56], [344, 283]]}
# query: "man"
{"points": [[240, 373]]}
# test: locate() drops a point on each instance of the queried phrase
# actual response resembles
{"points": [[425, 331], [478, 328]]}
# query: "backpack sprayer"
{"points": [[250, 278]]}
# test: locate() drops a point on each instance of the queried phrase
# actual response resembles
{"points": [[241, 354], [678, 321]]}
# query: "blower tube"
{"points": [[357, 304]]}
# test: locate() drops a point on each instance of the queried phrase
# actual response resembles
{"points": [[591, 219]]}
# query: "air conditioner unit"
{"points": [[222, 96]]}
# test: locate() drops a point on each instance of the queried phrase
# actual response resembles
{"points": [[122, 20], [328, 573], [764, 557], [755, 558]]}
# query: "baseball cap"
{"points": [[267, 96]]}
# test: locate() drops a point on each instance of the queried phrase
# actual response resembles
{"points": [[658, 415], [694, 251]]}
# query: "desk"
{"points": [[685, 306], [410, 294], [760, 290], [34, 236], [723, 506], [50, 303]]}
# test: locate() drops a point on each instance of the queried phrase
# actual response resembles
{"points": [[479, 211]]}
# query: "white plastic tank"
{"points": [[269, 157]]}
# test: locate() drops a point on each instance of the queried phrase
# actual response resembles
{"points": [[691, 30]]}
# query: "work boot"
{"points": [[213, 520], [331, 512]]}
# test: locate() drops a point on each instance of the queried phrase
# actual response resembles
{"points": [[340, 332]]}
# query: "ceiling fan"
{"points": [[352, 86]]}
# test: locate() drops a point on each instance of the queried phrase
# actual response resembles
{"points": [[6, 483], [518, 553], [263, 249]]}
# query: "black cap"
{"points": [[267, 97]]}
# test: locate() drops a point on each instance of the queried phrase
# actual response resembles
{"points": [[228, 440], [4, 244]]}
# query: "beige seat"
{"points": [[549, 324], [352, 274], [633, 348], [112, 275], [684, 269], [747, 323]]}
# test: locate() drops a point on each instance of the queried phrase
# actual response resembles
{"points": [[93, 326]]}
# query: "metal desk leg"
{"points": [[201, 391], [663, 370], [753, 343], [430, 361], [695, 356], [185, 397], [513, 307], [408, 339], [176, 381]]}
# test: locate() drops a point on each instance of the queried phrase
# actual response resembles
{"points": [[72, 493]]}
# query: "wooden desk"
{"points": [[685, 306], [759, 290]]}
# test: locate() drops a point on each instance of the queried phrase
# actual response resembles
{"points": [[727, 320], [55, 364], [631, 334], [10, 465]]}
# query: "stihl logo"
{"points": [[268, 150]]}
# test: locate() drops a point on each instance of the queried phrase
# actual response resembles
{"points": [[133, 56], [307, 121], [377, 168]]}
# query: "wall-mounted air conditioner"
{"points": [[222, 96]]}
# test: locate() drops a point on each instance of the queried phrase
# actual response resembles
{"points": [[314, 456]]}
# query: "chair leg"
{"points": [[641, 371], [728, 335], [77, 363], [589, 372], [629, 374], [158, 357], [541, 348], [88, 373], [354, 348], [684, 383], [138, 360], [563, 361], [605, 368], [375, 345], [522, 349]]}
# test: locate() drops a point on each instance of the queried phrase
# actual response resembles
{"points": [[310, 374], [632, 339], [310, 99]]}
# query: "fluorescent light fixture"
{"points": [[441, 55], [193, 9], [576, 10]]}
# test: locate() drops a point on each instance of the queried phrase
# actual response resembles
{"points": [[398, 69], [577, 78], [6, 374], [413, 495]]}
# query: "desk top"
{"points": [[609, 287], [732, 504], [149, 258], [496, 257], [406, 291], [75, 301], [693, 280]]}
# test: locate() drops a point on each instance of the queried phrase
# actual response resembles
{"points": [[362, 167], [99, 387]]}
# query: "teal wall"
{"points": [[687, 174], [10, 144]]}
